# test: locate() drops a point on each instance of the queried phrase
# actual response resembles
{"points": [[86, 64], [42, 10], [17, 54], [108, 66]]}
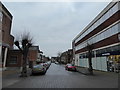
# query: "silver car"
{"points": [[39, 69]]}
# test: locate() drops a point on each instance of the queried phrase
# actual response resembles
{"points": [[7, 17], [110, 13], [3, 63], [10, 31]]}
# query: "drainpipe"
{"points": [[5, 58]]}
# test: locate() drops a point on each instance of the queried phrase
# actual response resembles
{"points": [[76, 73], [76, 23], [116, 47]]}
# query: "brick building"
{"points": [[33, 54], [6, 39], [103, 34], [67, 56], [15, 57]]}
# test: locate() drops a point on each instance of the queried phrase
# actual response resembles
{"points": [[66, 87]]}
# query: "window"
{"points": [[115, 8], [1, 15], [13, 60]]}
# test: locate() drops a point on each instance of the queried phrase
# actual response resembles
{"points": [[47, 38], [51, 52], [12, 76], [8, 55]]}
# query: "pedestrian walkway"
{"points": [[10, 76]]}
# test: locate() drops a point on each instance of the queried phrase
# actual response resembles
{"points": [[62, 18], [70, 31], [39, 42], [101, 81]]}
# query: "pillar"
{"points": [[5, 58]]}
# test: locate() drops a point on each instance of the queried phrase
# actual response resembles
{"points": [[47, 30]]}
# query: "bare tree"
{"points": [[24, 44], [90, 48], [59, 56]]}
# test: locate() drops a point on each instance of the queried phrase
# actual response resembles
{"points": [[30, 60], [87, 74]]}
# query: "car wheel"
{"points": [[44, 73], [75, 70]]}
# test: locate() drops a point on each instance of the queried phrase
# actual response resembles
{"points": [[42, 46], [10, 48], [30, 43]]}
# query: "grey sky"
{"points": [[53, 24]]}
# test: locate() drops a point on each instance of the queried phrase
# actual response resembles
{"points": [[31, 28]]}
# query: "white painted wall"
{"points": [[77, 59]]}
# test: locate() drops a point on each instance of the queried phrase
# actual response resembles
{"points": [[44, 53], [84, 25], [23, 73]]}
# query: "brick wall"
{"points": [[32, 55], [7, 38], [18, 55]]}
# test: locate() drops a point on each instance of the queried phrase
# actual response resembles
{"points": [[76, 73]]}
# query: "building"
{"points": [[6, 39], [15, 57], [45, 59], [103, 34], [54, 59], [63, 58], [67, 56], [40, 55], [33, 55]]}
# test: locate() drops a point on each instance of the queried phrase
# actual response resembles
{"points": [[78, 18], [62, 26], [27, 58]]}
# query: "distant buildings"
{"points": [[33, 54], [6, 39], [54, 59], [66, 57], [103, 34]]}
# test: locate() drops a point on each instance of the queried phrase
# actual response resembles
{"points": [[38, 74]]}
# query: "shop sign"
{"points": [[106, 54]]}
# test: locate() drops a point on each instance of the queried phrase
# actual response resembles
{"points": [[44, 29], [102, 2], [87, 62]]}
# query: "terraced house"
{"points": [[103, 34]]}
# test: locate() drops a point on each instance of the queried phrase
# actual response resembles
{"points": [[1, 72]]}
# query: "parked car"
{"points": [[39, 69], [46, 65], [56, 63], [49, 63], [70, 67]]}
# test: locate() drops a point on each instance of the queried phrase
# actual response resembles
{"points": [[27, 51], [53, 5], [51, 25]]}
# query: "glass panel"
{"points": [[98, 63], [94, 63], [104, 64]]}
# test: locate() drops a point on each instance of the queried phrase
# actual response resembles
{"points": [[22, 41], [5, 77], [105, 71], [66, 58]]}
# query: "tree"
{"points": [[25, 44], [89, 48], [59, 56]]}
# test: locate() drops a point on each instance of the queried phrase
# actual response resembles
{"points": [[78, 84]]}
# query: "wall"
{"points": [[18, 55], [32, 55]]}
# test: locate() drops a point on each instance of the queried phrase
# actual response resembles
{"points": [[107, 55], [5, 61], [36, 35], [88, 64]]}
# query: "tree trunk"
{"points": [[24, 66], [90, 62]]}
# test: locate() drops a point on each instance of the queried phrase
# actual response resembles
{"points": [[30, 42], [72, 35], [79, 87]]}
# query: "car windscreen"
{"points": [[37, 66], [70, 64]]}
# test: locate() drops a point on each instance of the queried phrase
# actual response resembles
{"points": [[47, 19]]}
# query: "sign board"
{"points": [[106, 54]]}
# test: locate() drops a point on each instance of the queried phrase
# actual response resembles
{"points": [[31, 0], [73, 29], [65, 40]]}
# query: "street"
{"points": [[58, 77]]}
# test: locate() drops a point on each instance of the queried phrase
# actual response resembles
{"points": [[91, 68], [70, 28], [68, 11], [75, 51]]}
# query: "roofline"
{"points": [[95, 19], [5, 10]]}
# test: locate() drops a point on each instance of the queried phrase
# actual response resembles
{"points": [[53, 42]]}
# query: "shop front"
{"points": [[113, 63]]}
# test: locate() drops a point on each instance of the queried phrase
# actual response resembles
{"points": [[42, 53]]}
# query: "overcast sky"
{"points": [[53, 25]]}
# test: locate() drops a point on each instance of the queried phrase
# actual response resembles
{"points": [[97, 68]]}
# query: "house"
{"points": [[15, 57], [6, 39], [67, 56], [33, 55]]}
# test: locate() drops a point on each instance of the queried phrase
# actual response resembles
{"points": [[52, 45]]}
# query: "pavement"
{"points": [[58, 77], [10, 76]]}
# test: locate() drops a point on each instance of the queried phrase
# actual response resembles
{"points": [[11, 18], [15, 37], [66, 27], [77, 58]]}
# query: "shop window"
{"points": [[13, 60]]}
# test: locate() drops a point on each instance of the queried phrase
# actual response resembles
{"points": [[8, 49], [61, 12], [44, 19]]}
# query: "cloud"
{"points": [[52, 24]]}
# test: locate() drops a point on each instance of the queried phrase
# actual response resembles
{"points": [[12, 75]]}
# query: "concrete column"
{"points": [[0, 57], [5, 58], [0, 45], [95, 59], [0, 53]]}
